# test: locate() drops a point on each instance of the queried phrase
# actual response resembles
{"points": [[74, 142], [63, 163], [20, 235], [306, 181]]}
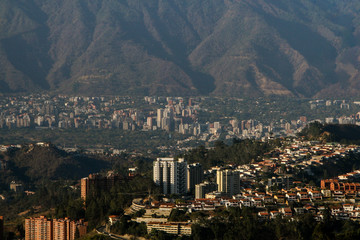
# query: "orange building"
{"points": [[346, 187], [1, 228], [65, 229], [335, 185], [38, 229], [325, 183], [53, 229]]}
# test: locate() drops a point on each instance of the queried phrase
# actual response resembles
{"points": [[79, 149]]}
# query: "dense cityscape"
{"points": [[179, 120], [277, 169], [271, 187], [198, 119]]}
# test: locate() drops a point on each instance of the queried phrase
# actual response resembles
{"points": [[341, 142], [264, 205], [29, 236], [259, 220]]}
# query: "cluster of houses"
{"points": [[296, 156], [340, 196], [267, 205], [305, 154], [284, 163]]}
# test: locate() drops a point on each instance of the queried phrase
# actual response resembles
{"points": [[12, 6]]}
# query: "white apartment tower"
{"points": [[171, 175]]}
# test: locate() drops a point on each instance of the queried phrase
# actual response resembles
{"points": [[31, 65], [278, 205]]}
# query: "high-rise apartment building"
{"points": [[38, 228], [97, 181], [1, 228], [204, 188], [171, 175], [165, 118], [228, 181], [194, 175], [149, 122], [159, 117], [63, 229], [53, 229], [166, 123]]}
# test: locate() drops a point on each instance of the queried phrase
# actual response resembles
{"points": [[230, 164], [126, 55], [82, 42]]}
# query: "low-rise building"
{"points": [[16, 187], [177, 228], [203, 188]]}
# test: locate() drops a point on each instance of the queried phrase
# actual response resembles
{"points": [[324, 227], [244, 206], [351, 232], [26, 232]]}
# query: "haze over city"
{"points": [[169, 119]]}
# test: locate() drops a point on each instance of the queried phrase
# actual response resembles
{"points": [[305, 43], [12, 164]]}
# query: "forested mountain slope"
{"points": [[180, 47]]}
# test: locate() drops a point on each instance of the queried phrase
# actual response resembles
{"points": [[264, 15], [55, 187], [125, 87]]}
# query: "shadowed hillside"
{"points": [[37, 163], [175, 47], [343, 133]]}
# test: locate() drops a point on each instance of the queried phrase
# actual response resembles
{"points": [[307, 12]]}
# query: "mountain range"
{"points": [[240, 48]]}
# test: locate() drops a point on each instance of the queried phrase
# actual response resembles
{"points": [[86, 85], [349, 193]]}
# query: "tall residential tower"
{"points": [[228, 181], [42, 228], [194, 176], [171, 175]]}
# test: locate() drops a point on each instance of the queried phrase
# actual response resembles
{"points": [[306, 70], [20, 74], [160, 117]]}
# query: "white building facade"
{"points": [[171, 175]]}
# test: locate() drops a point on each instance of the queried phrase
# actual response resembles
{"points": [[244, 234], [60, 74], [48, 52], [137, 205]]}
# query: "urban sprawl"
{"points": [[172, 114], [273, 186], [281, 195]]}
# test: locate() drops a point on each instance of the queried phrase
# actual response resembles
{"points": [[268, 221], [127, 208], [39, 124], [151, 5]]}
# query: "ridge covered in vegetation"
{"points": [[32, 163], [342, 133], [175, 47]]}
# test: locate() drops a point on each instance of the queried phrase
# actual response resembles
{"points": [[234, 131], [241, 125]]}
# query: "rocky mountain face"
{"points": [[305, 48]]}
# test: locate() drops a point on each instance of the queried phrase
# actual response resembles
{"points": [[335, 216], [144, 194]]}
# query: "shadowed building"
{"points": [[1, 228], [228, 182], [203, 188], [194, 176], [97, 181]]}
